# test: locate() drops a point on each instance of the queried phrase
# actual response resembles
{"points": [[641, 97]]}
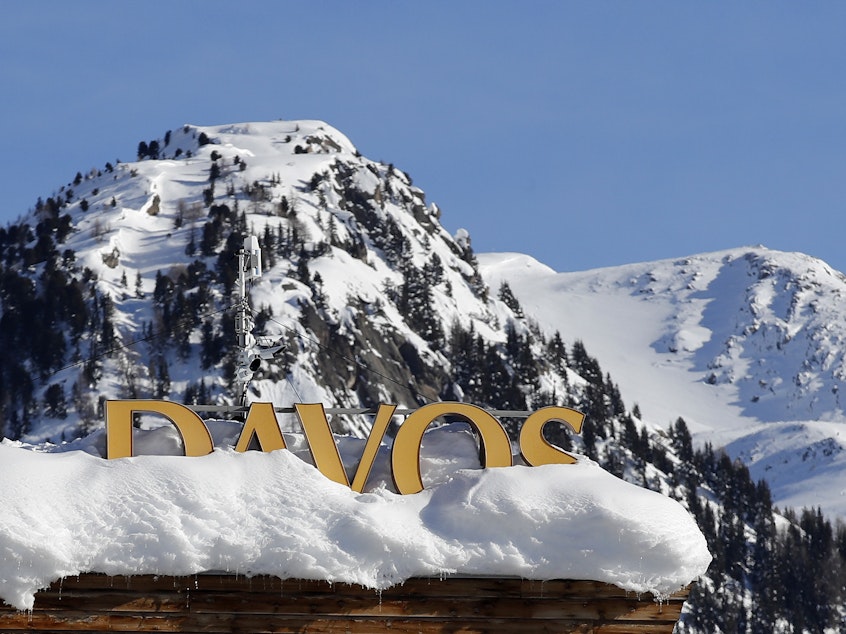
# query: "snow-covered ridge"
{"points": [[353, 253], [766, 326], [125, 273], [272, 513], [737, 342]]}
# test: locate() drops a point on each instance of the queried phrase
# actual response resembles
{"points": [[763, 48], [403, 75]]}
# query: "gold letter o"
{"points": [[405, 454]]}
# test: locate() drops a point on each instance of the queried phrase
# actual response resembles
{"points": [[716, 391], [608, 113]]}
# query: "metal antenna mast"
{"points": [[251, 354]]}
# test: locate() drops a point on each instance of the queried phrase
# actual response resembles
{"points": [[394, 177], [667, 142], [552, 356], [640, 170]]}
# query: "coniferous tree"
{"points": [[55, 404], [557, 354], [415, 304], [506, 296], [162, 376], [433, 270], [211, 346], [762, 574]]}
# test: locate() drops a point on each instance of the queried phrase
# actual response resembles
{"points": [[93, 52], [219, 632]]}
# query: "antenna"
{"points": [[251, 354]]}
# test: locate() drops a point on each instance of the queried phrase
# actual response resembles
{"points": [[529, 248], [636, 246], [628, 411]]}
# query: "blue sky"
{"points": [[586, 134]]}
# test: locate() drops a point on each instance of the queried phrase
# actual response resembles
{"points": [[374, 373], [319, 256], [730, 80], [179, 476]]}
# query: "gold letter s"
{"points": [[534, 448]]}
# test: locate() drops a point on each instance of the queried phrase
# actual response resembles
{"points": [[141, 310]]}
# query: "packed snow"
{"points": [[67, 510]]}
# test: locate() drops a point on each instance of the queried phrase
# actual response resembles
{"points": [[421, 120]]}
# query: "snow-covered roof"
{"points": [[66, 510]]}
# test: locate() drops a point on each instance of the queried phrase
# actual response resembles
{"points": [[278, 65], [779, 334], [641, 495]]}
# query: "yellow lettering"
{"points": [[261, 423], [324, 451], [368, 456], [534, 448], [405, 454], [195, 436], [321, 442]]}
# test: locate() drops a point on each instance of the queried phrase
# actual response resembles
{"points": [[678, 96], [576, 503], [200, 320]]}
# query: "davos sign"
{"points": [[262, 426]]}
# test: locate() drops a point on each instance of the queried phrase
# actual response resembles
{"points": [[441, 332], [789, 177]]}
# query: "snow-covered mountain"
{"points": [[747, 345], [121, 285]]}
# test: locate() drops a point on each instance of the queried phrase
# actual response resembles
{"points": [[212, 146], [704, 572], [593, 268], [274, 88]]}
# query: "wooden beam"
{"points": [[225, 603]]}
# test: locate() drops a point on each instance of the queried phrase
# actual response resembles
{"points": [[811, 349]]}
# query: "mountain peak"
{"points": [[763, 327], [746, 344], [360, 280]]}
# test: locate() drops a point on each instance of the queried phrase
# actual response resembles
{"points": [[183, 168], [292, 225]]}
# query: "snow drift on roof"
{"points": [[273, 513]]}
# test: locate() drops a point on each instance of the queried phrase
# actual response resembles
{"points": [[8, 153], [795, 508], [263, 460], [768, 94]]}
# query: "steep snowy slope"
{"points": [[362, 284], [746, 344]]}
